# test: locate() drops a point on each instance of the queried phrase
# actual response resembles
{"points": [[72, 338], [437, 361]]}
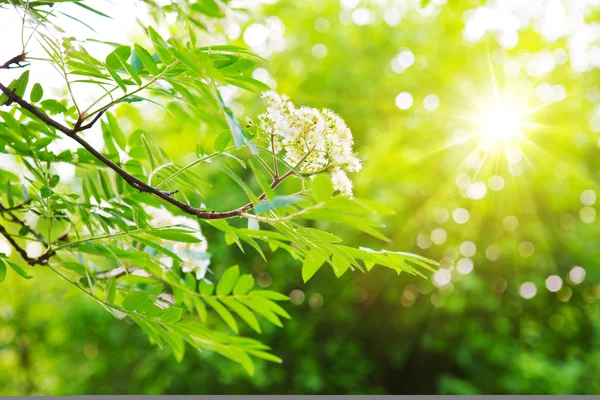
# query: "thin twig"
{"points": [[41, 260]]}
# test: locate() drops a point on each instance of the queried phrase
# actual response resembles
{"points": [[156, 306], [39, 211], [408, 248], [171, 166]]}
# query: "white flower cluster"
{"points": [[313, 141], [194, 256]]}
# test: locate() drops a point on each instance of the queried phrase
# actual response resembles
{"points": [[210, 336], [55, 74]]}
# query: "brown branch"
{"points": [[15, 62], [41, 260], [130, 179], [15, 219]]}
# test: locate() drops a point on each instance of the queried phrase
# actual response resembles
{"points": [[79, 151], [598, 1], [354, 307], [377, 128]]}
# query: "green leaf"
{"points": [[21, 84], [265, 356], [37, 92], [45, 192], [260, 309], [2, 270], [243, 312], [130, 70], [114, 59], [234, 126], [53, 106], [322, 187], [222, 140], [146, 59], [171, 315], [161, 47], [277, 202], [313, 261], [228, 280], [117, 78], [115, 130], [18, 269], [110, 290], [136, 300], [243, 285], [250, 84], [269, 294], [190, 282], [174, 234], [223, 313], [200, 308], [263, 303], [340, 265], [208, 7], [151, 328], [206, 288], [9, 196], [264, 185], [175, 342]]}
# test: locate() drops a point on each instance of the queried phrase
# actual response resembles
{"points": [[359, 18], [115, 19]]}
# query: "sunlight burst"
{"points": [[502, 122]]}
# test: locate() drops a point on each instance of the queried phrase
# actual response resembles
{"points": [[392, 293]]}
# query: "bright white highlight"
{"points": [[502, 122]]}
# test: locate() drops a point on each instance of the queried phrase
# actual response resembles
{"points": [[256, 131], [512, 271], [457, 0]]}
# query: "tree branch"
{"points": [[130, 179], [15, 219], [41, 260], [15, 62]]}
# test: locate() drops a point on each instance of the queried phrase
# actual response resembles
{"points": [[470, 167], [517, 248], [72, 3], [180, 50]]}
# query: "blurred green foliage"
{"points": [[378, 332]]}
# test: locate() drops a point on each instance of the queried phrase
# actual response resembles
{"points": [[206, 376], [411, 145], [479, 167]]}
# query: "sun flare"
{"points": [[502, 122]]}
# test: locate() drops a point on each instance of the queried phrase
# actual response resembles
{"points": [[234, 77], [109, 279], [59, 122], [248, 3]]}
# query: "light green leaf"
{"points": [[18, 269], [228, 280], [151, 328], [277, 202], [116, 131], [340, 265], [243, 285], [206, 288], [269, 294], [171, 315], [110, 290], [174, 234], [200, 308], [136, 300], [265, 356], [161, 47], [2, 271], [113, 60], [243, 312], [221, 141], [21, 85], [37, 92], [260, 309], [322, 187], [313, 261], [223, 313], [146, 59]]}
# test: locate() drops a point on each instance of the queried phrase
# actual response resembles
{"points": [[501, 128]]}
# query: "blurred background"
{"points": [[478, 122]]}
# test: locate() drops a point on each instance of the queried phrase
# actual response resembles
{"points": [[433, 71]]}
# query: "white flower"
{"points": [[312, 140], [342, 183], [194, 256]]}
